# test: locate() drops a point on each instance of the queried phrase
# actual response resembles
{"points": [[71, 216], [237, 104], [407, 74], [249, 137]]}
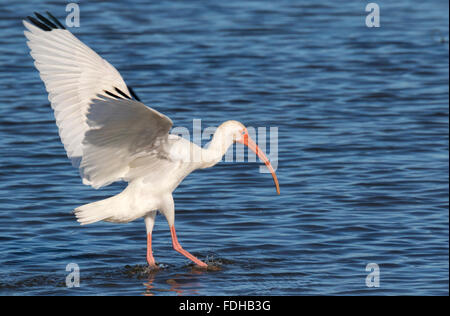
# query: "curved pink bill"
{"points": [[246, 140]]}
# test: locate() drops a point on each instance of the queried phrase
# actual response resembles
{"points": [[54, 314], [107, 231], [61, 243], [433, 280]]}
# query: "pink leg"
{"points": [[178, 248], [150, 259]]}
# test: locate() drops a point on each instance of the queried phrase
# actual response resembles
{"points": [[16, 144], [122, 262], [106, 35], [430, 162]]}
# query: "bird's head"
{"points": [[234, 131], [231, 131]]}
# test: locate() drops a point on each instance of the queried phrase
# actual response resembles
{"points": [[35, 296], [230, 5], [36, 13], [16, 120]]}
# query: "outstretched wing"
{"points": [[73, 75], [121, 131], [102, 128]]}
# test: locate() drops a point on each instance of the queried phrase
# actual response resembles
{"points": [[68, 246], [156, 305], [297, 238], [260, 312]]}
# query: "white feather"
{"points": [[119, 132], [73, 75]]}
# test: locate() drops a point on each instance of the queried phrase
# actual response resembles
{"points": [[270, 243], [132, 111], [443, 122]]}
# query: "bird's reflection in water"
{"points": [[181, 283], [149, 285]]}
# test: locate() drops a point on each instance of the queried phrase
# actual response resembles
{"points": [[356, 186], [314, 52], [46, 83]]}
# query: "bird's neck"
{"points": [[216, 149]]}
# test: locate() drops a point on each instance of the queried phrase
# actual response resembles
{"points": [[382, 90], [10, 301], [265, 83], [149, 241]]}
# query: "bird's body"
{"points": [[148, 192], [110, 135]]}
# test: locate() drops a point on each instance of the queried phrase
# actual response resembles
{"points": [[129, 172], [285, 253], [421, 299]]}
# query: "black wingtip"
{"points": [[40, 25], [112, 94], [45, 24], [122, 93], [133, 94], [45, 20], [55, 20]]}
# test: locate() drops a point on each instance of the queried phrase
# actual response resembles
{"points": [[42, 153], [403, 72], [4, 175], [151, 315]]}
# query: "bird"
{"points": [[110, 135]]}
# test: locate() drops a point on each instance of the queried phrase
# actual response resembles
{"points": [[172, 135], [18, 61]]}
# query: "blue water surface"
{"points": [[362, 118]]}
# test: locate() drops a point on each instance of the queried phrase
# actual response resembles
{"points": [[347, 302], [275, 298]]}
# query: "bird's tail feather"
{"points": [[94, 212]]}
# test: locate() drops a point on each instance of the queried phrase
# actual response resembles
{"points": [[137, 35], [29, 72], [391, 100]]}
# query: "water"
{"points": [[362, 117]]}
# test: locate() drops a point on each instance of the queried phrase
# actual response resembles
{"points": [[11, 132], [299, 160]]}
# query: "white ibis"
{"points": [[110, 135]]}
